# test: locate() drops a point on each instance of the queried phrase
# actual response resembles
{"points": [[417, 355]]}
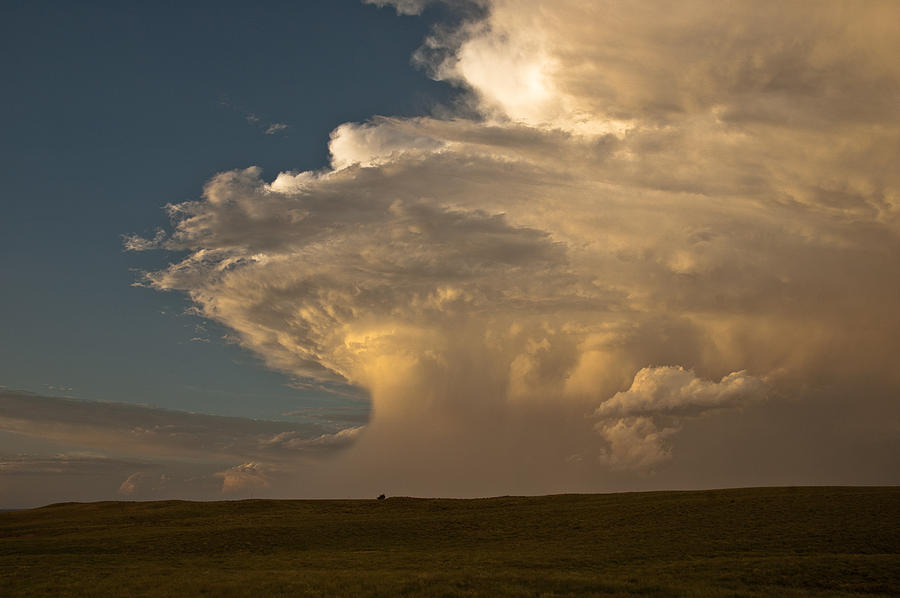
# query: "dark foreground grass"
{"points": [[754, 542]]}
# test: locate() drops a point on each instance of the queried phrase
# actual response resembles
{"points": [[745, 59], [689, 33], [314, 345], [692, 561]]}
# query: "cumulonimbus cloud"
{"points": [[652, 194]]}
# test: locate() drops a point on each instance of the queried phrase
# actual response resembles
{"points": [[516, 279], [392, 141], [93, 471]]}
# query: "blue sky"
{"points": [[110, 111]]}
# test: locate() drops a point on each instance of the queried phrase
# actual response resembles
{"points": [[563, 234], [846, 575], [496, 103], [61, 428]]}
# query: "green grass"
{"points": [[752, 542]]}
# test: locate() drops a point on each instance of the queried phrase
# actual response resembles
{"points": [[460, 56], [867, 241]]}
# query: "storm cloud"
{"points": [[640, 221]]}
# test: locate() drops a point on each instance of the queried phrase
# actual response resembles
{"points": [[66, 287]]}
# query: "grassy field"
{"points": [[751, 542]]}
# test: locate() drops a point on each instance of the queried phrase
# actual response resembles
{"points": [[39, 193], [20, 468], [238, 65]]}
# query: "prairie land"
{"points": [[827, 541]]}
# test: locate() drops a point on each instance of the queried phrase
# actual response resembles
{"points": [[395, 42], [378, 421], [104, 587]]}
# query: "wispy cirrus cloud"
{"points": [[254, 119], [276, 128]]}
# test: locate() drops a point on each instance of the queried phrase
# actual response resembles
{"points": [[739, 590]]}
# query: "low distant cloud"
{"points": [[243, 478], [63, 464], [59, 387], [140, 452], [138, 479], [28, 480], [161, 433], [337, 416], [296, 441]]}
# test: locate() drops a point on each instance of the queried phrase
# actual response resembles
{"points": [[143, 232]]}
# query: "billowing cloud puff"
{"points": [[705, 186], [634, 443], [241, 478], [677, 391], [637, 421], [373, 144], [139, 481]]}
